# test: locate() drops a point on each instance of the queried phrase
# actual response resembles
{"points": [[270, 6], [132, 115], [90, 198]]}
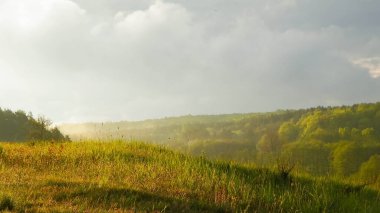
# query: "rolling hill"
{"points": [[133, 176]]}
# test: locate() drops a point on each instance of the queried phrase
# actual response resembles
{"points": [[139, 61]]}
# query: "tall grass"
{"points": [[133, 176]]}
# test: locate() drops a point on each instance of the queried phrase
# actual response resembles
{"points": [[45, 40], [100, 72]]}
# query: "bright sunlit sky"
{"points": [[103, 60]]}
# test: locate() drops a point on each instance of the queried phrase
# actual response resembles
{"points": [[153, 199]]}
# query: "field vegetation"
{"points": [[122, 176], [323, 159]]}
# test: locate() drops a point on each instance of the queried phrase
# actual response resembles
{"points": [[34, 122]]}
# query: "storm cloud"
{"points": [[95, 60]]}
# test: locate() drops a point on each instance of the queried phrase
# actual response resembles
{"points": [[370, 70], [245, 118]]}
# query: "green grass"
{"points": [[132, 176]]}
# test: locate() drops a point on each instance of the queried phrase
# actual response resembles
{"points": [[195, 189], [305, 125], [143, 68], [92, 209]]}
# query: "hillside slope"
{"points": [[321, 141], [326, 124], [129, 176]]}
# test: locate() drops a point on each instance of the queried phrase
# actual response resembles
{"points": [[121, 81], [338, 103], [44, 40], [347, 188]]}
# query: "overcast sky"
{"points": [[102, 60]]}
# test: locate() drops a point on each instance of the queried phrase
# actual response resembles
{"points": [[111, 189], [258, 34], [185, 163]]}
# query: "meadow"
{"points": [[133, 176]]}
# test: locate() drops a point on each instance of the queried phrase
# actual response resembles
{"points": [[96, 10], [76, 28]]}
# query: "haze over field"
{"points": [[86, 60]]}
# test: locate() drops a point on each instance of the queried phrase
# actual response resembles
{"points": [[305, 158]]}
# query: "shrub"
{"points": [[6, 203]]}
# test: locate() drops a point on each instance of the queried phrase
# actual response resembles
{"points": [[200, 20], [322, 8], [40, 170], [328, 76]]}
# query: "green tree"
{"points": [[344, 132], [312, 157], [355, 133], [348, 157], [288, 132], [370, 170], [344, 159], [368, 133], [269, 143]]}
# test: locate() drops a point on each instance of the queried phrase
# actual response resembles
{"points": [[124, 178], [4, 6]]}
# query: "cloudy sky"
{"points": [[95, 60]]}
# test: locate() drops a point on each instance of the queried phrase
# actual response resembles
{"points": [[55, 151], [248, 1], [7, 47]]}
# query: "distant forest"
{"points": [[343, 141], [18, 127]]}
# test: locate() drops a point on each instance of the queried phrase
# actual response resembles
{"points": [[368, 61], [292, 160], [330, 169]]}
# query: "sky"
{"points": [[112, 60]]}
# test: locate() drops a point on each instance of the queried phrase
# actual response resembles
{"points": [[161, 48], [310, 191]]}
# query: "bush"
{"points": [[6, 203]]}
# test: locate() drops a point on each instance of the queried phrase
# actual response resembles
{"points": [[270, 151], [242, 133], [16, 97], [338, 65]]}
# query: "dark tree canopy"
{"points": [[19, 126]]}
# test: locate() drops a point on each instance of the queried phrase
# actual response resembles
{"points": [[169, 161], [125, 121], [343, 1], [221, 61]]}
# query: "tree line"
{"points": [[342, 141], [18, 126]]}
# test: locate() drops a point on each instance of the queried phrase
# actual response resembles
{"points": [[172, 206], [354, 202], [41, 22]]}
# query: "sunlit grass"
{"points": [[130, 176]]}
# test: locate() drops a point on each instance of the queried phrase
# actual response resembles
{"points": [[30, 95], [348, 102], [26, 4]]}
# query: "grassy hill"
{"points": [[132, 176], [324, 141]]}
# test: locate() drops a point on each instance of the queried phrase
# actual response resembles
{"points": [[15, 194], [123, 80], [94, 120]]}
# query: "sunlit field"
{"points": [[190, 106], [133, 176]]}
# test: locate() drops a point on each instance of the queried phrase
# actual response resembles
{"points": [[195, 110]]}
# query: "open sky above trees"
{"points": [[98, 60]]}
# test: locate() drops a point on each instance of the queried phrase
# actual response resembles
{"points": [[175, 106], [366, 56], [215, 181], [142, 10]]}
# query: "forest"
{"points": [[341, 141], [19, 126]]}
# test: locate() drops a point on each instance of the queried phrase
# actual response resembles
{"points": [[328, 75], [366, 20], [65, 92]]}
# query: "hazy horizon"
{"points": [[79, 61], [195, 115]]}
